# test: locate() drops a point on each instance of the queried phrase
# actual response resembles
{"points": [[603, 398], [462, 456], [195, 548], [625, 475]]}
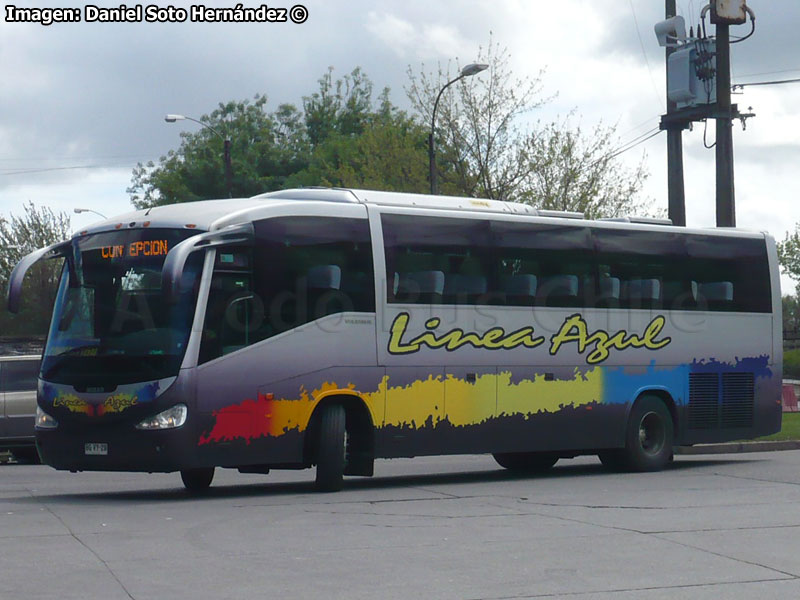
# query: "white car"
{"points": [[18, 381]]}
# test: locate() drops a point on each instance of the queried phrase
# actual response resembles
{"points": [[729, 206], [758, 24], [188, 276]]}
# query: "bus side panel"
{"points": [[502, 409], [255, 404], [566, 380]]}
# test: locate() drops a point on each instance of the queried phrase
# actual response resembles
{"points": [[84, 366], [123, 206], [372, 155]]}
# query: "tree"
{"points": [[389, 154], [37, 228], [789, 254], [485, 151], [573, 171], [481, 148], [791, 318], [341, 137], [339, 107], [266, 148]]}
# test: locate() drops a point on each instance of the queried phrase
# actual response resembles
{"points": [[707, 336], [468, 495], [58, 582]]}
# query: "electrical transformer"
{"points": [[691, 74]]}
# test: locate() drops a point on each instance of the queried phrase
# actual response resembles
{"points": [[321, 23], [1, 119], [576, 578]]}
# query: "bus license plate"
{"points": [[96, 449]]}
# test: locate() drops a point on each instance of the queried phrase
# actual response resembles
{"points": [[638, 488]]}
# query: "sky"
{"points": [[82, 103]]}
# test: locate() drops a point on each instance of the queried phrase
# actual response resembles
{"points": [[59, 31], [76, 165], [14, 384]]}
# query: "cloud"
{"points": [[95, 94], [420, 41]]}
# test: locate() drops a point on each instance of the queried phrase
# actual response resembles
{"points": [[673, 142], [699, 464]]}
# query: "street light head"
{"points": [[173, 118], [78, 211], [671, 32], [473, 69]]}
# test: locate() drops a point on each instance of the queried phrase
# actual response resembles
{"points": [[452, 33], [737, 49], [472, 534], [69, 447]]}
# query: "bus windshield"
{"points": [[110, 324]]}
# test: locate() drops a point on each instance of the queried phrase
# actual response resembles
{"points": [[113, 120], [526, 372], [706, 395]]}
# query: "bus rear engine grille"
{"points": [[721, 401]]}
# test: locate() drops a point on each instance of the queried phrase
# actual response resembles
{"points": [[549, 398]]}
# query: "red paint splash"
{"points": [[247, 420]]}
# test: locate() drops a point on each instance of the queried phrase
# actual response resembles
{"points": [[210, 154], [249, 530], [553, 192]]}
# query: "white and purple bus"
{"points": [[331, 327]]}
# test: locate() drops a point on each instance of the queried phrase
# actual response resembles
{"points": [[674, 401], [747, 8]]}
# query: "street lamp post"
{"points": [[78, 211], [226, 146], [468, 71]]}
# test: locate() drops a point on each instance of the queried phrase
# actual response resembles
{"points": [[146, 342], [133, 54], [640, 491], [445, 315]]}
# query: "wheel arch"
{"points": [[359, 426]]}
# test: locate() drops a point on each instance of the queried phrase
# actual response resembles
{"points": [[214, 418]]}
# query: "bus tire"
{"points": [[197, 480], [526, 462], [331, 448], [613, 460], [26, 456], [649, 436]]}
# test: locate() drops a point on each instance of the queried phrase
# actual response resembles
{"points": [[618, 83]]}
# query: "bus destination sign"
{"points": [[136, 249]]}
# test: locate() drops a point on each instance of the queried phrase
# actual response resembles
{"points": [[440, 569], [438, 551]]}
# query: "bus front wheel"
{"points": [[331, 448], [197, 480], [649, 436]]}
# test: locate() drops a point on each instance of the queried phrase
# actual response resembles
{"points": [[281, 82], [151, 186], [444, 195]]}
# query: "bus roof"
{"points": [[209, 214]]}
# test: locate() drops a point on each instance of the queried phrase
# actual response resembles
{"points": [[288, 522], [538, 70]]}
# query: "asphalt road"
{"points": [[723, 526]]}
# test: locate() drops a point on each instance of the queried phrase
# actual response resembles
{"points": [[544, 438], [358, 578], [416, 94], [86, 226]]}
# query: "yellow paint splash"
{"points": [[436, 398]]}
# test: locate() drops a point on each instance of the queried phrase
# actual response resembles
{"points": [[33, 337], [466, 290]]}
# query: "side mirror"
{"points": [[18, 274]]}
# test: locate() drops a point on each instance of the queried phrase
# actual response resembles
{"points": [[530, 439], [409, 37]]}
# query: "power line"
{"points": [[778, 82], [634, 128], [770, 73], [47, 169], [628, 146], [644, 53], [633, 144], [71, 157]]}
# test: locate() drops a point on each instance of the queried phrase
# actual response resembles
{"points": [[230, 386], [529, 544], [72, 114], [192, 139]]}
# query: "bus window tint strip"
{"points": [[475, 261]]}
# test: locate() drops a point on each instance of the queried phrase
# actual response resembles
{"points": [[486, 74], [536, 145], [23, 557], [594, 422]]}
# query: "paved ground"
{"points": [[722, 526]]}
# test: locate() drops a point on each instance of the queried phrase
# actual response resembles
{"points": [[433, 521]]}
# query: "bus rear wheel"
{"points": [[197, 480], [526, 462], [331, 448], [649, 436]]}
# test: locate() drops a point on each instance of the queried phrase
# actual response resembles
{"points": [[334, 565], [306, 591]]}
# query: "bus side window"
{"points": [[310, 267], [301, 269], [233, 313], [732, 274], [435, 260]]}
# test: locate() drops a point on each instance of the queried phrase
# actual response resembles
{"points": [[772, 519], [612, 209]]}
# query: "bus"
{"points": [[331, 327]]}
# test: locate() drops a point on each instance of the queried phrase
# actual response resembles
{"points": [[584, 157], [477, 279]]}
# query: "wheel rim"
{"points": [[652, 433]]}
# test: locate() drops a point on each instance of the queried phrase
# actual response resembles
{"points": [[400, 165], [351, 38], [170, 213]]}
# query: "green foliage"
{"points": [[343, 137], [791, 317], [574, 171], [342, 107], [389, 155], [340, 138], [791, 364], [789, 254], [265, 149], [37, 228]]}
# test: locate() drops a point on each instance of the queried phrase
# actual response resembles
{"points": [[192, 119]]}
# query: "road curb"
{"points": [[736, 447]]}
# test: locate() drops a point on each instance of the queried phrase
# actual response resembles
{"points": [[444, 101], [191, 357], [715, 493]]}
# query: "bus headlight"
{"points": [[44, 421], [168, 419]]}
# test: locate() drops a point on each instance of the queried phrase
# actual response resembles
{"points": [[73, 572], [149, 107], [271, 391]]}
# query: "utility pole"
{"points": [[228, 167], [695, 67], [676, 194], [726, 203]]}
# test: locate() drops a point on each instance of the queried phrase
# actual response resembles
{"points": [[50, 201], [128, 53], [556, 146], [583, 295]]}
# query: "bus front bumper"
{"points": [[119, 448]]}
